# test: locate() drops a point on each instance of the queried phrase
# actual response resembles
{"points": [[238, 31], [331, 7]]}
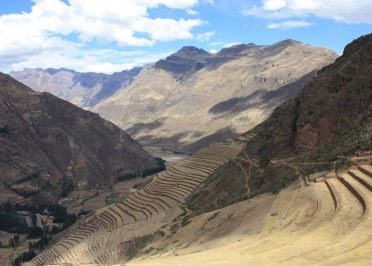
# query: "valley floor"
{"points": [[323, 223]]}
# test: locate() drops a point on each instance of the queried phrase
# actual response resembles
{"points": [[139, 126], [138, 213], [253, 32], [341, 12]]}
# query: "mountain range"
{"points": [[192, 97], [214, 208], [82, 89]]}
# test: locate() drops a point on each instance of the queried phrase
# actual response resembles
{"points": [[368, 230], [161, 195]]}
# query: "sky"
{"points": [[113, 35]]}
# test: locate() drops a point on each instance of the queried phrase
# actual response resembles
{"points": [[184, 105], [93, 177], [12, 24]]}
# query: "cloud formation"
{"points": [[347, 11], [289, 24], [62, 29]]}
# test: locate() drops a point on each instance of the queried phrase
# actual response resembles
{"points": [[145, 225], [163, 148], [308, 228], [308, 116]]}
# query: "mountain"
{"points": [[335, 108], [193, 97], [83, 89], [319, 130], [49, 146], [203, 210]]}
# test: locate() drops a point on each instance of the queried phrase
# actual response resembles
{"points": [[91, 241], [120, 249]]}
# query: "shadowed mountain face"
{"points": [[326, 123], [333, 112], [185, 101], [185, 62], [83, 89], [49, 145]]}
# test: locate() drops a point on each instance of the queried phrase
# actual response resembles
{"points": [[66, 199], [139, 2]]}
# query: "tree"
{"points": [[33, 218], [11, 243], [16, 240]]}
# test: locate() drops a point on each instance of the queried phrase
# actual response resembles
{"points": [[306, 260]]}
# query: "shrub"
{"points": [[67, 187], [4, 130]]}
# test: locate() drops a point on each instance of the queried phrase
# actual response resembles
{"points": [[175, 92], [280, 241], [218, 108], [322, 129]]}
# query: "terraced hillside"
{"points": [[324, 222], [110, 234]]}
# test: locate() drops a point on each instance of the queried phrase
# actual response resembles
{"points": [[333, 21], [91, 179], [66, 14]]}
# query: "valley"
{"points": [[190, 145], [140, 215], [289, 191]]}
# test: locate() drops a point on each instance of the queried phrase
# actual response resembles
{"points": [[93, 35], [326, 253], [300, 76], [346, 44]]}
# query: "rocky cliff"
{"points": [[330, 108]]}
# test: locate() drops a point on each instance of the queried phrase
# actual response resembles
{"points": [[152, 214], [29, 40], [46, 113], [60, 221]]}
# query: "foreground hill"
{"points": [[50, 146], [327, 223], [193, 98], [82, 89]]}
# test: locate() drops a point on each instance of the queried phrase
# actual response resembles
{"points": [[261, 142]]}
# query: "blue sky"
{"points": [[111, 35]]}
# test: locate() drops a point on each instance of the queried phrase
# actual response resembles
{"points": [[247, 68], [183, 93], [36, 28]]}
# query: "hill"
{"points": [[82, 89], [318, 130], [212, 208], [217, 96], [50, 146]]}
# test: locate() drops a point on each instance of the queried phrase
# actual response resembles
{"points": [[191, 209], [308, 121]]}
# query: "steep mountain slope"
{"points": [[83, 89], [328, 122], [193, 98], [49, 146], [338, 102]]}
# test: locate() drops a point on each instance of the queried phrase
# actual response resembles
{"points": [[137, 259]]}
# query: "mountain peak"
{"points": [[53, 71], [287, 42], [236, 49], [355, 45], [192, 50], [184, 62]]}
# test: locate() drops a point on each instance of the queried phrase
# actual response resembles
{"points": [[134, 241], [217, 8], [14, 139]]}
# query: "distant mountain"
{"points": [[193, 97], [83, 89], [49, 146]]}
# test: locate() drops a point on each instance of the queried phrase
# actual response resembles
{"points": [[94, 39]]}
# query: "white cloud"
{"points": [[213, 51], [348, 11], [230, 44], [289, 24], [204, 37], [51, 25], [274, 4], [216, 43], [191, 12], [104, 60]]}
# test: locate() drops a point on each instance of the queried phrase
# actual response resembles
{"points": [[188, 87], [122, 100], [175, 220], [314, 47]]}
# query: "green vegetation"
{"points": [[128, 176], [185, 221], [147, 172], [26, 256], [4, 130], [13, 222], [67, 187], [110, 200], [174, 227], [32, 176]]}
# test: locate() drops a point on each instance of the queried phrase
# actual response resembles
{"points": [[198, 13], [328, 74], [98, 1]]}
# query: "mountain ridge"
{"points": [[50, 145], [82, 89], [177, 91]]}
